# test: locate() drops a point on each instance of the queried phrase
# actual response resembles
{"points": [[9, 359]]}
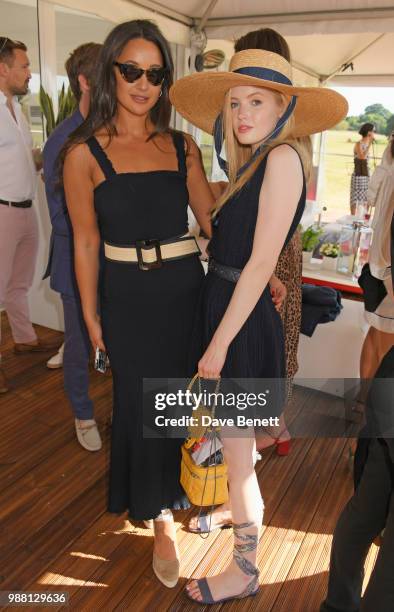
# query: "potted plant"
{"points": [[330, 252], [310, 238], [66, 106]]}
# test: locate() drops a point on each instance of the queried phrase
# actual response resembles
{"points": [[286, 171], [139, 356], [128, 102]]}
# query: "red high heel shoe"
{"points": [[282, 448]]}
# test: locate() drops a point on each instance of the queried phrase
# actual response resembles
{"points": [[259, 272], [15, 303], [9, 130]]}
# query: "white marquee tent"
{"points": [[342, 42], [349, 42]]}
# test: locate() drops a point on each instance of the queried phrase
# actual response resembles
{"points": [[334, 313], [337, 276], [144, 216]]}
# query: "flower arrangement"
{"points": [[310, 238], [329, 249]]}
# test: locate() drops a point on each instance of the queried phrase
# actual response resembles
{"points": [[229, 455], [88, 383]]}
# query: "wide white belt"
{"points": [[151, 253]]}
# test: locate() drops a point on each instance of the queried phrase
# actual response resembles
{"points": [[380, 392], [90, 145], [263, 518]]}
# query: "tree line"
{"points": [[381, 117]]}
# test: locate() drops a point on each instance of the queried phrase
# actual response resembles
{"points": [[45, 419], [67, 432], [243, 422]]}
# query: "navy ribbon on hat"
{"points": [[266, 74]]}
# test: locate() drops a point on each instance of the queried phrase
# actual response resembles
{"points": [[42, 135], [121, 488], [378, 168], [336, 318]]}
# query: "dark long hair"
{"points": [[365, 128], [266, 39], [103, 103]]}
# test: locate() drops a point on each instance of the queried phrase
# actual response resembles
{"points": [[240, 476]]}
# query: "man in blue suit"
{"points": [[80, 67]]}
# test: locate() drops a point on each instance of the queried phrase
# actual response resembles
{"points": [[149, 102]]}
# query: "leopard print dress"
{"points": [[289, 271]]}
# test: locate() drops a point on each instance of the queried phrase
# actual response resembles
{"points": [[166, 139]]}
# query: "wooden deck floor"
{"points": [[55, 532]]}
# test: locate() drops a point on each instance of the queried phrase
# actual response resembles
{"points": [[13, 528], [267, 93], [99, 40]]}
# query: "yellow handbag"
{"points": [[204, 486]]}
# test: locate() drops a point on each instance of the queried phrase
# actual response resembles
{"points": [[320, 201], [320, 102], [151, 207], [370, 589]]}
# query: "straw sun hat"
{"points": [[200, 97]]}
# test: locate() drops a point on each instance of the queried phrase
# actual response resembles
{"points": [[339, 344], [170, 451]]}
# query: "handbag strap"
{"points": [[213, 437]]}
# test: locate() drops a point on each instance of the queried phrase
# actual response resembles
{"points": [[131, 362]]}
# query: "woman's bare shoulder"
{"points": [[284, 154], [78, 153], [78, 160]]}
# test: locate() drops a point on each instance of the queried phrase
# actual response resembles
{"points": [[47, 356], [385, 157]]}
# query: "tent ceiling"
{"points": [[283, 10], [323, 34]]}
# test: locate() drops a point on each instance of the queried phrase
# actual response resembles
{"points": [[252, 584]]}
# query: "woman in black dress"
{"points": [[241, 331], [128, 180]]}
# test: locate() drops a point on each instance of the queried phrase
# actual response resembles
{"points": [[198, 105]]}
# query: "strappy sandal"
{"points": [[205, 522], [248, 543]]}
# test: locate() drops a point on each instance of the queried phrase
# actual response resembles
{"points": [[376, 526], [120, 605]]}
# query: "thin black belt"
{"points": [[24, 204], [226, 272]]}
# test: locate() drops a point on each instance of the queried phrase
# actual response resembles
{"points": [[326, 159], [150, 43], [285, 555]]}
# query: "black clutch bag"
{"points": [[373, 289]]}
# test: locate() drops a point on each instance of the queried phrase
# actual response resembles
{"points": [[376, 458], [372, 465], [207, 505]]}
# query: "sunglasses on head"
{"points": [[4, 42], [131, 73]]}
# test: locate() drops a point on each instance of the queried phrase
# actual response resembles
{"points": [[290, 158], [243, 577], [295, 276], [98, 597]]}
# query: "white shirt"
{"points": [[18, 176], [381, 195]]}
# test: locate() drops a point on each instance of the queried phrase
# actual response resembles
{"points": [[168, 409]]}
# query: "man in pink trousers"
{"points": [[18, 221]]}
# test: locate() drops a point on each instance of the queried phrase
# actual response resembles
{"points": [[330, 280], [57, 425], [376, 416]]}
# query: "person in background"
{"points": [[80, 67], [360, 177], [369, 511], [380, 336], [18, 183]]}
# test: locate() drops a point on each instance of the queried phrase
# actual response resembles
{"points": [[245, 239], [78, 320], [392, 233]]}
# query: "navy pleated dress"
{"points": [[258, 350]]}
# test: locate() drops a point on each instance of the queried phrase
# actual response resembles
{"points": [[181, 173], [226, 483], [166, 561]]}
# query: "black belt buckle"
{"points": [[148, 244]]}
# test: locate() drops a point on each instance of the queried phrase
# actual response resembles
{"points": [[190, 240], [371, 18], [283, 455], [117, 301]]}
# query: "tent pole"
{"points": [[198, 42], [320, 166], [206, 15], [350, 59]]}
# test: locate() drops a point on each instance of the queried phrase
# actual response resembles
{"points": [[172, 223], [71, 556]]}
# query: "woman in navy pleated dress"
{"points": [[259, 113]]}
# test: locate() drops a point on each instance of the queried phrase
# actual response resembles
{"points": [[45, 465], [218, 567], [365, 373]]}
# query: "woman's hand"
{"points": [[95, 332], [212, 362], [278, 291]]}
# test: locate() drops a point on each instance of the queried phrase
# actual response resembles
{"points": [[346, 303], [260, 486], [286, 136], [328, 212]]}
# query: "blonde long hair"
{"points": [[238, 155]]}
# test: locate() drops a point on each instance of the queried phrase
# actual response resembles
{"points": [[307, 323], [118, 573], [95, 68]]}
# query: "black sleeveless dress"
{"points": [[147, 319], [258, 350]]}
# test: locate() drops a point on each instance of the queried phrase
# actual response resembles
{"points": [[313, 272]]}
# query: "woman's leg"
{"points": [[369, 355], [247, 513], [272, 435], [375, 346], [384, 341]]}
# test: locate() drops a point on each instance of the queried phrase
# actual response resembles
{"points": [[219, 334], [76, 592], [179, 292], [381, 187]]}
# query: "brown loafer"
{"points": [[42, 346], [3, 382]]}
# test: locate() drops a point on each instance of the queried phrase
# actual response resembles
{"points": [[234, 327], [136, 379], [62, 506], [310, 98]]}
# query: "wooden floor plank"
{"points": [[196, 551], [55, 533]]}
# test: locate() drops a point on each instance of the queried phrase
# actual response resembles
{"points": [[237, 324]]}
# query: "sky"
{"points": [[360, 97]]}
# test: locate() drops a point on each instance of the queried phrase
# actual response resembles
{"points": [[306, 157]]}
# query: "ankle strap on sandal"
{"points": [[248, 542]]}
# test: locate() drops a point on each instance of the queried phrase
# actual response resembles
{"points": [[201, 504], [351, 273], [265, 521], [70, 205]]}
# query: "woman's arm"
{"points": [[78, 188], [277, 206], [201, 198], [217, 188]]}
